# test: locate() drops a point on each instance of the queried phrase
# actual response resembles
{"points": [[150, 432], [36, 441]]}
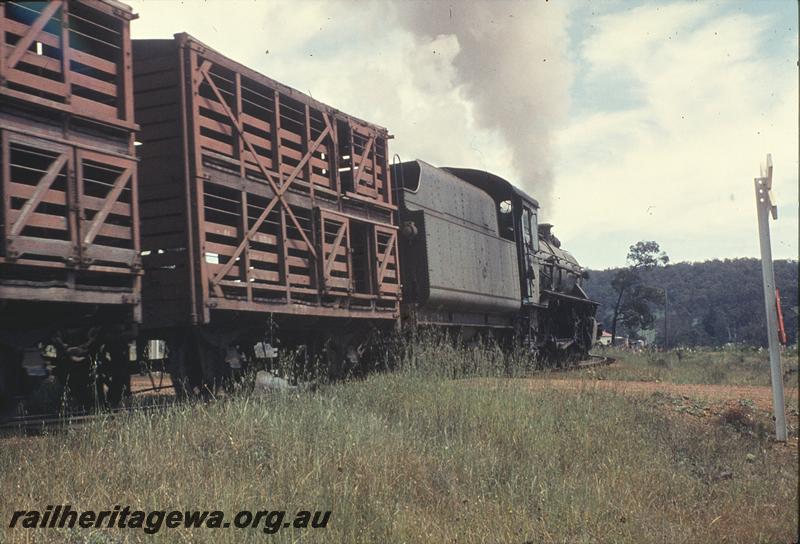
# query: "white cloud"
{"points": [[678, 166]]}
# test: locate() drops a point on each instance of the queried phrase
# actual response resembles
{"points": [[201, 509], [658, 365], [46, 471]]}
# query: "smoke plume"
{"points": [[512, 67]]}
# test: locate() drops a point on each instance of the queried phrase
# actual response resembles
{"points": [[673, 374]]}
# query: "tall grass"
{"points": [[414, 456], [733, 366], [433, 354]]}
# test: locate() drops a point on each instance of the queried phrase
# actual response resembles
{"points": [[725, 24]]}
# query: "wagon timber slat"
{"points": [[27, 39], [278, 187], [69, 243], [56, 77], [41, 189], [110, 200]]}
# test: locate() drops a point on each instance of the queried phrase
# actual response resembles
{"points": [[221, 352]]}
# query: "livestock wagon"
{"points": [[70, 272], [258, 205]]}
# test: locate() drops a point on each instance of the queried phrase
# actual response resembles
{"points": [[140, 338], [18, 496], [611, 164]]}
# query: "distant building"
{"points": [[605, 340]]}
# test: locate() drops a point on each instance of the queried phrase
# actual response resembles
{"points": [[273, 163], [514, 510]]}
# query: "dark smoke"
{"points": [[512, 66]]}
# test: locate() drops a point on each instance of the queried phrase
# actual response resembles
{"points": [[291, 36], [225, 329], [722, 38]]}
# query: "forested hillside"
{"points": [[710, 303]]}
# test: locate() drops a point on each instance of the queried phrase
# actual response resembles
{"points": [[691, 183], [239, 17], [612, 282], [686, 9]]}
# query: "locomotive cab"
{"points": [[518, 217]]}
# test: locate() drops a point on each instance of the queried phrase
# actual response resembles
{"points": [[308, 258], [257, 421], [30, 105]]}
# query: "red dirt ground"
{"points": [[760, 396]]}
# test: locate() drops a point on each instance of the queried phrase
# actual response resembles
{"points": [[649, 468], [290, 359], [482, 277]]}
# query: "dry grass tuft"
{"points": [[739, 416], [415, 456]]}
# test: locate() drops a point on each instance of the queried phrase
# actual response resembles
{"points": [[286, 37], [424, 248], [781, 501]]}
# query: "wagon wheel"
{"points": [[241, 379], [78, 377], [342, 355], [9, 376], [218, 373], [378, 349], [333, 352], [114, 374], [100, 381], [197, 367], [186, 377]]}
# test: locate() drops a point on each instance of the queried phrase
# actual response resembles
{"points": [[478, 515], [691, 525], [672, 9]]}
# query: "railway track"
{"points": [[593, 361], [39, 423]]}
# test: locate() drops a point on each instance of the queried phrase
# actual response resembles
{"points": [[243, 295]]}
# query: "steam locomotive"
{"points": [[157, 191], [475, 257]]}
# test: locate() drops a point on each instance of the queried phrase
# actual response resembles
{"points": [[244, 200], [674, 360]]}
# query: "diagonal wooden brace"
{"points": [[25, 42], [41, 189], [385, 257], [278, 190], [334, 248], [363, 160], [110, 200]]}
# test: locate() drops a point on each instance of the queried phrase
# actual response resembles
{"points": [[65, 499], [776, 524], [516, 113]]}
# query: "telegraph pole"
{"points": [[665, 345], [666, 312], [766, 206]]}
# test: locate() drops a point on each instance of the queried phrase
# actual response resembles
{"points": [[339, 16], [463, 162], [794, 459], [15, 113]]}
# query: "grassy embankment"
{"points": [[735, 366], [415, 456]]}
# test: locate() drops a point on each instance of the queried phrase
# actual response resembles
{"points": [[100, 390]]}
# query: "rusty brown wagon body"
{"points": [[256, 199], [69, 231], [69, 203]]}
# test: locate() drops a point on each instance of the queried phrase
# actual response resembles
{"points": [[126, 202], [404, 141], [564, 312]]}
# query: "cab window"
{"points": [[505, 219], [529, 229], [526, 228]]}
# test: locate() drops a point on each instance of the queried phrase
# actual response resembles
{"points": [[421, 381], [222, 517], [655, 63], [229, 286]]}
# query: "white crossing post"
{"points": [[765, 205]]}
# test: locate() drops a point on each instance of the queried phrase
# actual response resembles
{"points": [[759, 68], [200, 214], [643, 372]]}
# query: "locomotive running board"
{"points": [[573, 298]]}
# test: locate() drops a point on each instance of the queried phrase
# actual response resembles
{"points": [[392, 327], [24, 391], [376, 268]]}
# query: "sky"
{"points": [[627, 120]]}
